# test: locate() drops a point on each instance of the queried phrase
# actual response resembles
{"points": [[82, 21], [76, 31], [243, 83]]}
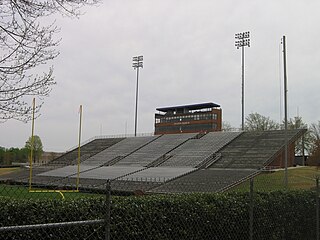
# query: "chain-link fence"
{"points": [[262, 207]]}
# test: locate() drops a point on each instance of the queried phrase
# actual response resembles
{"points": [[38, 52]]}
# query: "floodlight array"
{"points": [[242, 35], [243, 39], [242, 43], [137, 62]]}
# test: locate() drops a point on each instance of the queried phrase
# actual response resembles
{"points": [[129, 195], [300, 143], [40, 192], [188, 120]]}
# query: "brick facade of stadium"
{"points": [[203, 117]]}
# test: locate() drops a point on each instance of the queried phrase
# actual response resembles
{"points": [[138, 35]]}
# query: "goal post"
{"points": [[31, 156]]}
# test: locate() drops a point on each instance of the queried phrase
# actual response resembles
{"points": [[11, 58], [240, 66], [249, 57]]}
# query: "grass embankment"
{"points": [[298, 178]]}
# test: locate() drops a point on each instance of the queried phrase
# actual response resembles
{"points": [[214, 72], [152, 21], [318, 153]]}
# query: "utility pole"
{"points": [[242, 41], [137, 62], [285, 113], [79, 148]]}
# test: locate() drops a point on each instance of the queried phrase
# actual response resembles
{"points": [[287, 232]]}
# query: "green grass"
{"points": [[298, 178], [21, 192]]}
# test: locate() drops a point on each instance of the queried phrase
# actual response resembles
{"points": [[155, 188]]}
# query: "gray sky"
{"points": [[189, 57]]}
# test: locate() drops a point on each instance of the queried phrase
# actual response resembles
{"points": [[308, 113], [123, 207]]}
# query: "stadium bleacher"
{"points": [[88, 150], [109, 172], [205, 180], [157, 174], [70, 158], [155, 150], [119, 150], [253, 150], [243, 157], [166, 163], [195, 151]]}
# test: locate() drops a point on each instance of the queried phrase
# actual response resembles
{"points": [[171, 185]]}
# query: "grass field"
{"points": [[298, 178], [21, 192], [4, 171]]}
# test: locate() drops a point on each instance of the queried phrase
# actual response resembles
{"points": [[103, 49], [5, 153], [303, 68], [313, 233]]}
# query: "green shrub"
{"points": [[277, 215]]}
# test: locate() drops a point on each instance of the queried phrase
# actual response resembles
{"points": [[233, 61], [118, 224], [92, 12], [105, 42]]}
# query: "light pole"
{"points": [[242, 40], [137, 62], [285, 112]]}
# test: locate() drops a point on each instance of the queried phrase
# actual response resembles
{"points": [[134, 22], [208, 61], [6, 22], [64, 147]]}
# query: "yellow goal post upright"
{"points": [[31, 190]]}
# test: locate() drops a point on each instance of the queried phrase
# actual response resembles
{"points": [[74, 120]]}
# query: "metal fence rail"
{"points": [[52, 225]]}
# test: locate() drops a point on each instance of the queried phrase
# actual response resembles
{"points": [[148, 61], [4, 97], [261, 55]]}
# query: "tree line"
{"points": [[13, 155], [22, 155]]}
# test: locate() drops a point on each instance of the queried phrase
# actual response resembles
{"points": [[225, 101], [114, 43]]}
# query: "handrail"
{"points": [[209, 160], [111, 136], [160, 160]]}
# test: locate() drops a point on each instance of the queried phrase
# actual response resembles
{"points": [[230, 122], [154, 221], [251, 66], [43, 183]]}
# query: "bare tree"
{"points": [[315, 135], [25, 45], [226, 126], [315, 131], [258, 122], [297, 123]]}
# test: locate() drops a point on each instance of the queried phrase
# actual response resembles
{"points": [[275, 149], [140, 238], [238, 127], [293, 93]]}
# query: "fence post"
{"points": [[108, 209], [317, 208], [251, 210]]}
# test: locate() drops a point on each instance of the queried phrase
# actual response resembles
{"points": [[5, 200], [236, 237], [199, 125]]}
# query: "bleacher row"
{"points": [[88, 150], [166, 163], [254, 149], [179, 150]]}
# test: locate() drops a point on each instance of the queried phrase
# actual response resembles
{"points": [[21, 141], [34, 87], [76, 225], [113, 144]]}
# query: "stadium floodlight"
{"points": [[137, 62], [242, 40]]}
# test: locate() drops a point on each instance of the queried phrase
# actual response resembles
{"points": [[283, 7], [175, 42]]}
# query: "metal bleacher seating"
{"points": [[87, 150], [204, 180], [168, 163], [195, 151], [242, 158], [253, 150], [119, 150], [155, 150]]}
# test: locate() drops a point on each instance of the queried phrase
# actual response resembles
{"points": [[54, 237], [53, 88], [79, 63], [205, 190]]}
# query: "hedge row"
{"points": [[277, 215]]}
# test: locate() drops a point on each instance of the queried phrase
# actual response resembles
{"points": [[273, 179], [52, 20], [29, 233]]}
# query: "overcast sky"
{"points": [[189, 57]]}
